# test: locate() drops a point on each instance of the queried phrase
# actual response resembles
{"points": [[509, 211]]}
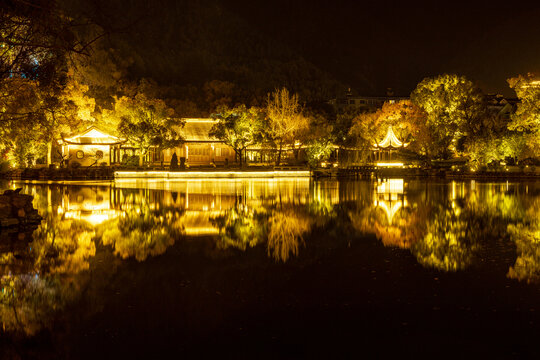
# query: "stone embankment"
{"points": [[17, 210]]}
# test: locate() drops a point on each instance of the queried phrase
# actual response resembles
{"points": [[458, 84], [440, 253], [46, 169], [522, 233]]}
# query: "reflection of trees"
{"points": [[63, 246], [283, 228], [27, 302], [526, 235], [60, 250], [448, 244], [285, 233], [240, 227], [141, 231]]}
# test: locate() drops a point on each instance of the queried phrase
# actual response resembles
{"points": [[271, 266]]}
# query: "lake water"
{"points": [[290, 268]]}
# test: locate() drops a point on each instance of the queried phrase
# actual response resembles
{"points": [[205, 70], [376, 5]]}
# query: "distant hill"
{"points": [[187, 43]]}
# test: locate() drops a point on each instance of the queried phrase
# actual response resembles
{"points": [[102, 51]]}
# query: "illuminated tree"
{"points": [[320, 140], [20, 117], [35, 117], [34, 38], [145, 123], [66, 109], [285, 120], [407, 120], [238, 127], [453, 105], [526, 119]]}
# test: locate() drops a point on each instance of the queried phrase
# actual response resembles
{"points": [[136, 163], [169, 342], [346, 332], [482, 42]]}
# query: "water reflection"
{"points": [[448, 226], [526, 235]]}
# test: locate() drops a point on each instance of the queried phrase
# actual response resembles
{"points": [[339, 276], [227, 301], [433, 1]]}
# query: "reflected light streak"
{"points": [[93, 218], [397, 164], [392, 186]]}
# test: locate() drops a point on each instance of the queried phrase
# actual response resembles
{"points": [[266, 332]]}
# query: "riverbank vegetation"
{"points": [[55, 84]]}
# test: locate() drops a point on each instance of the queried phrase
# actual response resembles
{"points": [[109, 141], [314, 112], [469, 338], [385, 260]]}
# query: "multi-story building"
{"points": [[363, 103]]}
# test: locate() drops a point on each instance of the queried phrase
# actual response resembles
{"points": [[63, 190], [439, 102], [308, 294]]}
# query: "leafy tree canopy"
{"points": [[453, 105], [238, 127]]}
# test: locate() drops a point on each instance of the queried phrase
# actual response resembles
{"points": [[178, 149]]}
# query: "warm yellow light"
{"points": [[208, 174], [390, 212], [392, 186], [390, 140], [381, 164]]}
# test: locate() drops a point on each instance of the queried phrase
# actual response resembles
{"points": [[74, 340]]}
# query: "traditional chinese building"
{"points": [[385, 152], [93, 147], [199, 148]]}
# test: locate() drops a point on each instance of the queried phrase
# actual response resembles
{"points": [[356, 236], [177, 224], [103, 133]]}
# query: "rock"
{"points": [[9, 222], [21, 200], [5, 210], [17, 210]]}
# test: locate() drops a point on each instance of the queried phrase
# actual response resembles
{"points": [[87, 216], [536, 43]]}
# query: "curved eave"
{"points": [[378, 147], [92, 143]]}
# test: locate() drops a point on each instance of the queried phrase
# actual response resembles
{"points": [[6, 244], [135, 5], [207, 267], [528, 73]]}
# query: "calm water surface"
{"points": [[274, 269]]}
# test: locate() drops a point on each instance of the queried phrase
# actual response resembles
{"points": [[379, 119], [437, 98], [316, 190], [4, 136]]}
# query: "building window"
{"points": [[79, 154]]}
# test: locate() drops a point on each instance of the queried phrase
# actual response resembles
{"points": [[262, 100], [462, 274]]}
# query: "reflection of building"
{"points": [[202, 201], [92, 147], [91, 204], [390, 196]]}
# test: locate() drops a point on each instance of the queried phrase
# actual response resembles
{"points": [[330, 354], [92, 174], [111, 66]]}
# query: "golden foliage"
{"points": [[285, 233]]}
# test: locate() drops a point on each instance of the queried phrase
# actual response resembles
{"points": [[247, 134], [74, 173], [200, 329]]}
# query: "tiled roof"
{"points": [[94, 136], [195, 130]]}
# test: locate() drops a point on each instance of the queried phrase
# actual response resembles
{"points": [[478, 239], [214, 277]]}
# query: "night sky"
{"points": [[378, 44]]}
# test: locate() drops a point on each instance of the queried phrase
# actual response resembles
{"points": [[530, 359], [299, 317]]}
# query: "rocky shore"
{"points": [[17, 210]]}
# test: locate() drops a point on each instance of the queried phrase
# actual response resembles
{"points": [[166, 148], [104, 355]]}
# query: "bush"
{"points": [[130, 160], [174, 162], [74, 164]]}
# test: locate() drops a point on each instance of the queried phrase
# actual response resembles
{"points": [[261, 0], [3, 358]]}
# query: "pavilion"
{"points": [[384, 152], [91, 148]]}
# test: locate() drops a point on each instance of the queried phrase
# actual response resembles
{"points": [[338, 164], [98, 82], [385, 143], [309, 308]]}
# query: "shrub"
{"points": [[130, 160], [174, 162], [74, 164]]}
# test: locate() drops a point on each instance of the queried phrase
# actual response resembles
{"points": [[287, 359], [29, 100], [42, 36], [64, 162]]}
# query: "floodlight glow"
{"points": [[390, 140], [207, 174]]}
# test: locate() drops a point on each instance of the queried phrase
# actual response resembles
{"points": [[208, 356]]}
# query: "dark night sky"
{"points": [[378, 44]]}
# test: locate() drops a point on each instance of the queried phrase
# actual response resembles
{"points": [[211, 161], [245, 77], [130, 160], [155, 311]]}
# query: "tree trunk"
{"points": [[278, 161], [49, 153], [141, 159], [238, 156]]}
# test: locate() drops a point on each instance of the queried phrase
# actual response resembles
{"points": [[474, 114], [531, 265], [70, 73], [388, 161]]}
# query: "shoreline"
{"points": [[111, 174]]}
